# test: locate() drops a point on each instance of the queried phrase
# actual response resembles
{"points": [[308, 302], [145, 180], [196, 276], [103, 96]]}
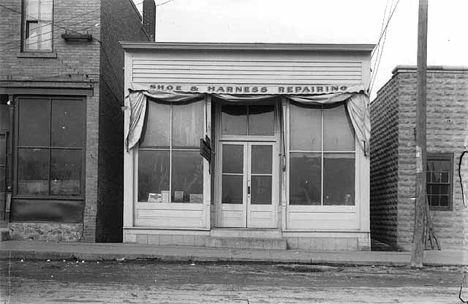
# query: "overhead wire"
{"points": [[381, 44]]}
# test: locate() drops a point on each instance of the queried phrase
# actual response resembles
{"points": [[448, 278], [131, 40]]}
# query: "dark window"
{"points": [[439, 179], [322, 156], [37, 25], [248, 120], [50, 147], [170, 168]]}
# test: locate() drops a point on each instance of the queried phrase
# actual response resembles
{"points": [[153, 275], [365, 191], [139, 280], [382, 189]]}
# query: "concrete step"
{"points": [[4, 234], [246, 243], [246, 233]]}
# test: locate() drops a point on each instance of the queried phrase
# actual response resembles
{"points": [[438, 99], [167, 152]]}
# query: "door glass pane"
{"points": [[2, 181], [234, 120], [187, 124], [33, 171], [261, 159], [157, 128], [233, 158], [306, 128], [232, 189], [65, 172], [2, 149], [187, 177], [34, 117], [338, 179], [305, 179], [67, 123], [262, 120], [153, 176], [261, 190], [338, 133]]}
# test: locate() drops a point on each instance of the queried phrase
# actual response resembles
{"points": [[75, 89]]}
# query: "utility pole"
{"points": [[417, 253]]}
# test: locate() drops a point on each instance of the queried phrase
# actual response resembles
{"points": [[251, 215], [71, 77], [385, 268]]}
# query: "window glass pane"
{"points": [[187, 177], [338, 133], [261, 190], [67, 123], [306, 128], [32, 9], [187, 124], [434, 200], [33, 171], [338, 179], [444, 200], [157, 129], [65, 172], [232, 189], [233, 158], [234, 120], [262, 120], [34, 118], [45, 12], [305, 179], [45, 35], [262, 158], [153, 176]]}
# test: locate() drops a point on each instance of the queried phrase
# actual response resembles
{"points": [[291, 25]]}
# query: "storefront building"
{"points": [[247, 145]]}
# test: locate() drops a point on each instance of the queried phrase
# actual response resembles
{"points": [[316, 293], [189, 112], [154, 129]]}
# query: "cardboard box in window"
{"points": [[154, 198], [178, 196], [165, 197], [196, 198]]}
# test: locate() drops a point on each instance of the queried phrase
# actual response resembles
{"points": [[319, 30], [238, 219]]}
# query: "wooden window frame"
{"points": [[49, 147], [25, 26], [322, 152], [169, 149], [444, 157]]}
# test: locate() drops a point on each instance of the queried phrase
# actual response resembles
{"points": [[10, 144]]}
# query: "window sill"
{"points": [[52, 55]]}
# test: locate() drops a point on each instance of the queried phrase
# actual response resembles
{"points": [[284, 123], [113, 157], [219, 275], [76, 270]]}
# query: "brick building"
{"points": [[61, 93], [393, 156]]}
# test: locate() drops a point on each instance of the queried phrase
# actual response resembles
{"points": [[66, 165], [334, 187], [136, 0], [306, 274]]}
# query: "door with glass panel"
{"points": [[248, 196]]}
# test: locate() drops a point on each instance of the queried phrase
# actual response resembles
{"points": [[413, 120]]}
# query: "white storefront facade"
{"points": [[236, 144]]}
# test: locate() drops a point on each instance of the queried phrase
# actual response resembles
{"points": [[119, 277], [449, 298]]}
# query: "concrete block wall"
{"points": [[447, 132], [384, 165], [120, 21]]}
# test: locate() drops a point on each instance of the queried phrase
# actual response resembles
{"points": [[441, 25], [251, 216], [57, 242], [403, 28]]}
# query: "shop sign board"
{"points": [[252, 89]]}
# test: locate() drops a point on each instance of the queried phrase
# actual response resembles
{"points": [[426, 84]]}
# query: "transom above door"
{"points": [[248, 185]]}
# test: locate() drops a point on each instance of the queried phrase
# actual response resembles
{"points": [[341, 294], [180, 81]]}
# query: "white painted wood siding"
{"points": [[245, 68]]}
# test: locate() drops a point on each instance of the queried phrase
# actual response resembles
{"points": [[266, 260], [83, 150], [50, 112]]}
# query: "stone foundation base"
{"points": [[52, 232]]}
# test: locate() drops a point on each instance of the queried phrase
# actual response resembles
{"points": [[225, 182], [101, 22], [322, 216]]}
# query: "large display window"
{"points": [[322, 156], [170, 168]]}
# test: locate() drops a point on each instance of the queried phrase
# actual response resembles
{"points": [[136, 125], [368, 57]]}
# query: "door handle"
{"points": [[248, 189]]}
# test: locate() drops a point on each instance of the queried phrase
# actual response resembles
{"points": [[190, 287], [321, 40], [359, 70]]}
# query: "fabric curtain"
{"points": [[357, 104]]}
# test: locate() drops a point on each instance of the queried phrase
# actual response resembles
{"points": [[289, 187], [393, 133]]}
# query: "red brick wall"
{"points": [[120, 21], [98, 64], [447, 132]]}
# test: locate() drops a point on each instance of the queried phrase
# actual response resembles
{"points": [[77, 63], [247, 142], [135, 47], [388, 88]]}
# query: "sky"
{"points": [[323, 21]]}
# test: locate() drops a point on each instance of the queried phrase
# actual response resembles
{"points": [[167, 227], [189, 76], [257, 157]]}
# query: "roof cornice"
{"points": [[246, 46]]}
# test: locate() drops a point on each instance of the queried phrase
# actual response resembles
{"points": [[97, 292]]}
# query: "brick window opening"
{"points": [[50, 147], [37, 25], [439, 180]]}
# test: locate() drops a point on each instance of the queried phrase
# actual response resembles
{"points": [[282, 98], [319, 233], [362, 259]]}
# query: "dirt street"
{"points": [[158, 282]]}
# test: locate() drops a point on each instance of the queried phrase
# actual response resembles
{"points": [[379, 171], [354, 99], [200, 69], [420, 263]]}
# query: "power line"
{"points": [[380, 48]]}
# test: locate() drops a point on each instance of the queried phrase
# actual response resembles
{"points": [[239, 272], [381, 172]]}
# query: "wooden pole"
{"points": [[417, 253]]}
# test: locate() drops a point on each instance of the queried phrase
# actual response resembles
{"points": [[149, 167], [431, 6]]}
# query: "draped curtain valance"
{"points": [[357, 104]]}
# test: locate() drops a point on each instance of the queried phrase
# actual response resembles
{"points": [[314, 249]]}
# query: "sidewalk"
{"points": [[113, 251]]}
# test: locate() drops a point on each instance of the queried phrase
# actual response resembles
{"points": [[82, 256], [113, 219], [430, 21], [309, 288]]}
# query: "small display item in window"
{"points": [[178, 196], [196, 198], [165, 197], [154, 198]]}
